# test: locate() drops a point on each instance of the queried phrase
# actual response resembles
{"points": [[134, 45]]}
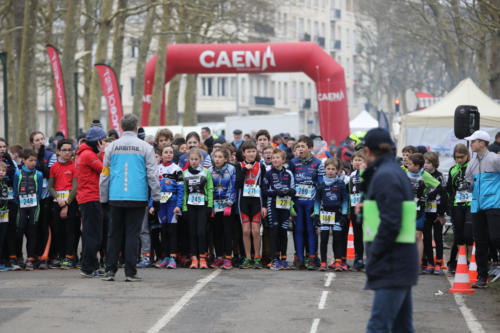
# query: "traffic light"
{"points": [[396, 104]]}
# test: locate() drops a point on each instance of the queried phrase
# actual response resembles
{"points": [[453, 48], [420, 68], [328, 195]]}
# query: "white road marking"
{"points": [[329, 279], [471, 320], [314, 326], [177, 307], [322, 300]]}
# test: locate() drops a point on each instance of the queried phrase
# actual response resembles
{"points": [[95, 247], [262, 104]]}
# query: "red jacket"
{"points": [[88, 170]]}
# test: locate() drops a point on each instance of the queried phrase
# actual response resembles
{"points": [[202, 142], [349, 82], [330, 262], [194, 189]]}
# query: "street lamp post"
{"points": [[3, 58]]}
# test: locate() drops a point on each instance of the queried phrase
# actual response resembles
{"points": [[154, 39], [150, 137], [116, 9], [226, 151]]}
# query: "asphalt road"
{"points": [[185, 300]]}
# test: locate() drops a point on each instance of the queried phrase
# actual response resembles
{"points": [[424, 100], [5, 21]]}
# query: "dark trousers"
{"points": [[337, 243], [64, 230], [124, 221], [429, 226], [357, 229], [391, 311], [223, 234], [44, 222], [27, 224], [168, 239], [486, 228], [12, 239], [462, 225], [91, 235], [196, 218]]}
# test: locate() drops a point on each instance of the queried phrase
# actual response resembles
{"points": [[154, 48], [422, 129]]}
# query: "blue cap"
{"points": [[95, 133]]}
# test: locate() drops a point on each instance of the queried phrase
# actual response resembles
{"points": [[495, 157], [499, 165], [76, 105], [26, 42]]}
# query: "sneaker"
{"points": [[135, 278], [194, 263], [227, 264], [323, 267], [257, 264], [171, 263], [438, 270], [67, 263], [145, 262], [338, 266], [109, 276], [163, 263], [203, 263], [275, 265], [246, 264], [217, 263], [428, 270], [29, 266], [298, 264], [99, 273], [481, 283], [332, 265], [86, 275], [54, 263], [358, 265], [3, 268], [317, 261], [43, 264], [311, 266], [284, 265], [13, 265], [344, 267]]}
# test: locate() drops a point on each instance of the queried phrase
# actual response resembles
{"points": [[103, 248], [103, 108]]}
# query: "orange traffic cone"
{"points": [[461, 284], [473, 265], [350, 243]]}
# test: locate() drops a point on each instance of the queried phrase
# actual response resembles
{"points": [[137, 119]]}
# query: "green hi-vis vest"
{"points": [[371, 221]]}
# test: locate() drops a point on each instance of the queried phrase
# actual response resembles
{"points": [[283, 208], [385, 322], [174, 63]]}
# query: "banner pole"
{"points": [[3, 58]]}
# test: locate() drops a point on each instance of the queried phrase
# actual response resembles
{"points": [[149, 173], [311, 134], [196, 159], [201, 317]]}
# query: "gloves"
{"points": [[227, 211], [282, 192]]}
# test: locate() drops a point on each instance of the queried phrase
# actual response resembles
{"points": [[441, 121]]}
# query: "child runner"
{"points": [[62, 187], [407, 151], [197, 205], [359, 165], [308, 173], [330, 207], [267, 153], [224, 179], [4, 212], [263, 139], [193, 141], [28, 183], [279, 189], [249, 177], [172, 195]]}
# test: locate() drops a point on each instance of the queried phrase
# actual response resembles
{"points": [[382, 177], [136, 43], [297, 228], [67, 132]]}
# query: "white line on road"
{"points": [[172, 312], [471, 320], [314, 326], [329, 279], [322, 300]]}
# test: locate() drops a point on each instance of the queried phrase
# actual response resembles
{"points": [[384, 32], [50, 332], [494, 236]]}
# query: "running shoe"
{"points": [[217, 263], [227, 264], [194, 263], [338, 266], [317, 261], [43, 264], [358, 265], [438, 270], [323, 267], [344, 267], [275, 265], [29, 266], [428, 270], [3, 268], [481, 283], [99, 273], [298, 264], [203, 263], [55, 263], [311, 266], [171, 263], [145, 262], [247, 263], [163, 263], [67, 263], [135, 278], [284, 265], [87, 275], [110, 276], [332, 265], [257, 263], [14, 265]]}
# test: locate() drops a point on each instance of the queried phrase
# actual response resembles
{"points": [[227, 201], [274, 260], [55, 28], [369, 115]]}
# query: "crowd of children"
{"points": [[225, 205]]}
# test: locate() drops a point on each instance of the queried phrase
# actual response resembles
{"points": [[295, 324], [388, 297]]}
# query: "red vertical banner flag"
{"points": [[111, 92], [59, 91]]}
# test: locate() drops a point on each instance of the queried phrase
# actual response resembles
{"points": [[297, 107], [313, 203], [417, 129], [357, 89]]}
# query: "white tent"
{"points": [[363, 122], [433, 127]]}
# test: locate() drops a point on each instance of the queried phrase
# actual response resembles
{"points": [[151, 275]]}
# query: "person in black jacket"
{"points": [[495, 146], [392, 265]]}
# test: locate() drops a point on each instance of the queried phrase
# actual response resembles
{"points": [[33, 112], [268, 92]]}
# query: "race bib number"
{"points": [[196, 199], [4, 216], [164, 196], [27, 200], [251, 191], [327, 218], [463, 197], [283, 202], [63, 195], [431, 207], [10, 195], [355, 199], [304, 191], [219, 205]]}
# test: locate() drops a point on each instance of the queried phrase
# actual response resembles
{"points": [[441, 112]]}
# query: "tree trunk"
{"points": [[68, 67], [12, 72], [190, 118], [495, 65], [118, 38], [27, 121], [161, 65], [173, 101], [482, 62], [88, 41], [147, 34], [94, 109]]}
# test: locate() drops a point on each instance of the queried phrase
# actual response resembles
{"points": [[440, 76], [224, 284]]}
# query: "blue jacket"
{"points": [[224, 180], [17, 181], [307, 172], [389, 264], [332, 195], [171, 181], [184, 160], [484, 173], [278, 182]]}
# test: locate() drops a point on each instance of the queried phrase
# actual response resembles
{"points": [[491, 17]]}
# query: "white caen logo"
{"points": [[331, 96], [238, 59]]}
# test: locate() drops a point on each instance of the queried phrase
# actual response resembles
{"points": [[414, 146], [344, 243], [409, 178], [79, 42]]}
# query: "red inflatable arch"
{"points": [[304, 57]]}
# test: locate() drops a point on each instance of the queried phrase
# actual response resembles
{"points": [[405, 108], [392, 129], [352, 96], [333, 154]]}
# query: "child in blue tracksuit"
{"points": [[279, 188], [308, 172], [172, 194], [331, 207], [28, 186], [224, 180]]}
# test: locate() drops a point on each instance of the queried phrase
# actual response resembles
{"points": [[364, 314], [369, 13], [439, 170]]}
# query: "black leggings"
{"points": [[338, 246], [429, 226], [196, 217], [223, 234], [28, 225], [278, 242], [462, 221], [64, 231], [168, 239], [357, 228]]}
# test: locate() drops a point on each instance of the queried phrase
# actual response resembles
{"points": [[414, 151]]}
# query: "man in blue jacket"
{"points": [[392, 264]]}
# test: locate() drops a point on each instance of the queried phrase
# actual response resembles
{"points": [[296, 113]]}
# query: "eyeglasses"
{"points": [[64, 150]]}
